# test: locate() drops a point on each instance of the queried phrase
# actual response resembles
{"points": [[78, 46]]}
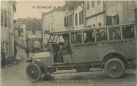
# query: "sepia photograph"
{"points": [[68, 43]]}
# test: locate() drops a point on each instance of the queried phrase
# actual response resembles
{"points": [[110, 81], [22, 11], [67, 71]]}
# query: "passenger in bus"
{"points": [[58, 55], [66, 45], [128, 32], [101, 36], [116, 34]]}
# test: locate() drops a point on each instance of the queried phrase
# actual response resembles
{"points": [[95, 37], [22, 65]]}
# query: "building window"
{"points": [[136, 15], [81, 17], [108, 20], [33, 32], [76, 22], [2, 17], [115, 19], [98, 2], [5, 19], [87, 5], [99, 24], [92, 4], [70, 19], [65, 22]]}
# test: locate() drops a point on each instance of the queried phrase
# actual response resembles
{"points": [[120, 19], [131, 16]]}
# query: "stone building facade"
{"points": [[74, 16], [104, 13], [7, 32]]}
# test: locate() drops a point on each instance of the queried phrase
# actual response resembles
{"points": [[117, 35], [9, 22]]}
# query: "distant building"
{"points": [[104, 13], [53, 21], [7, 32], [30, 33]]}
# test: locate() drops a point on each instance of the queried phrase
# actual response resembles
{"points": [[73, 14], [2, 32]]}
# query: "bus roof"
{"points": [[88, 28]]}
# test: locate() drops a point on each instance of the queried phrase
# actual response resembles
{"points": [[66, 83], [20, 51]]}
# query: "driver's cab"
{"points": [[59, 46]]}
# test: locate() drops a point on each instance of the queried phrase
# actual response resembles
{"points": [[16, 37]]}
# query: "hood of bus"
{"points": [[41, 55]]}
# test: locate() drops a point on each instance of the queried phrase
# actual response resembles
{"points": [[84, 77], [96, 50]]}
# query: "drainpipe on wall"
{"points": [[105, 10]]}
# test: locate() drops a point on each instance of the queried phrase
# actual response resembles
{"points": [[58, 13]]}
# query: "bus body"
{"points": [[112, 48], [95, 50]]}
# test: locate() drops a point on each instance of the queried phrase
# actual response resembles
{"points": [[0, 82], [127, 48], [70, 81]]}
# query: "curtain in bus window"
{"points": [[128, 32]]}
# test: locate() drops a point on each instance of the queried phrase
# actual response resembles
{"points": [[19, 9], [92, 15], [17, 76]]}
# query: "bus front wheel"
{"points": [[114, 68], [33, 72]]}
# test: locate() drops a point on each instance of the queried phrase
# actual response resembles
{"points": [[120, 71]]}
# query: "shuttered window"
{"points": [[136, 15], [108, 20], [76, 22]]}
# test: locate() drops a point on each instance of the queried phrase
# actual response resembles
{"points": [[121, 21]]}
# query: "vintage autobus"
{"points": [[112, 48]]}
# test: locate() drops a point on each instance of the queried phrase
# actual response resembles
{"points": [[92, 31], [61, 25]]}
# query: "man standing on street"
{"points": [[15, 52]]}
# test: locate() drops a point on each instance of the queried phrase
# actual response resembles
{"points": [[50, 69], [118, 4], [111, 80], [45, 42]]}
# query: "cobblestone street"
{"points": [[14, 75]]}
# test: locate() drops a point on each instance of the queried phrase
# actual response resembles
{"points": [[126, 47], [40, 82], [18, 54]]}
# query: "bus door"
{"points": [[65, 48], [60, 48]]}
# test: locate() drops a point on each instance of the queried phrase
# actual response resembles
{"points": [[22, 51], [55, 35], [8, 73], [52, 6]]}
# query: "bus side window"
{"points": [[101, 35], [114, 33], [76, 37], [89, 36], [128, 32]]}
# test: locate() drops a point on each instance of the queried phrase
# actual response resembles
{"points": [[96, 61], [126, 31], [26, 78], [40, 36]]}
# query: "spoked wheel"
{"points": [[114, 68], [33, 72]]}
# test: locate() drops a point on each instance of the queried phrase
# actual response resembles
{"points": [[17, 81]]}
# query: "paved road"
{"points": [[14, 75]]}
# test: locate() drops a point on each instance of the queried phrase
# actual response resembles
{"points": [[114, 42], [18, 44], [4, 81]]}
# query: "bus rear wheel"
{"points": [[114, 68]]}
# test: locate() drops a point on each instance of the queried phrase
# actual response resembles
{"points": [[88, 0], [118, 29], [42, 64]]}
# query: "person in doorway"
{"points": [[15, 53], [27, 52], [3, 59]]}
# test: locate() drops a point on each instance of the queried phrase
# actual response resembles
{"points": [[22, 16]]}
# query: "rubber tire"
{"points": [[122, 68], [38, 69]]}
